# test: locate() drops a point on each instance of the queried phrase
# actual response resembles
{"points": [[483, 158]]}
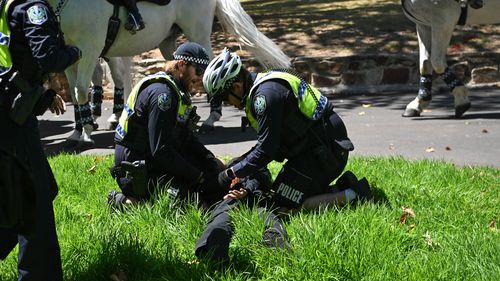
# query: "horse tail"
{"points": [[236, 21]]}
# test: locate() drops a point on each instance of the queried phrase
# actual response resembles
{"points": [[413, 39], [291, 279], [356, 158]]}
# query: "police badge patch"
{"points": [[37, 14], [164, 101], [259, 105]]}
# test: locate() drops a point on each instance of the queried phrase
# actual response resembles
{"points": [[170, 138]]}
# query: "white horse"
{"points": [[84, 24], [119, 70], [436, 20]]}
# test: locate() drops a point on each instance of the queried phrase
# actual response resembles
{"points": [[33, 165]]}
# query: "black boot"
{"points": [[135, 22]]}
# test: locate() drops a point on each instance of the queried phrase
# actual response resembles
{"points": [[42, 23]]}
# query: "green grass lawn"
{"points": [[453, 235]]}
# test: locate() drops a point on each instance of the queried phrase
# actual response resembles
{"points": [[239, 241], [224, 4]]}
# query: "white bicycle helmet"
{"points": [[221, 73]]}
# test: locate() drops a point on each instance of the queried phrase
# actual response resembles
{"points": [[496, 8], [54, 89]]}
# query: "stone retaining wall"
{"points": [[358, 74]]}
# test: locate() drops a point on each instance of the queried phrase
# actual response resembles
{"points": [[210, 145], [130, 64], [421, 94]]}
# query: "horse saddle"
{"points": [[157, 2]]}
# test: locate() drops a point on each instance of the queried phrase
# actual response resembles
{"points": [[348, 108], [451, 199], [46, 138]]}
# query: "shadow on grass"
{"points": [[379, 196], [130, 258]]}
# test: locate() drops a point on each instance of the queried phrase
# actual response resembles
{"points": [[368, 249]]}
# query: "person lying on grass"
{"points": [[255, 191]]}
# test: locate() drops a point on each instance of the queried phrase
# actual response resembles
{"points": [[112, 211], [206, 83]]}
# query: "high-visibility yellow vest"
{"points": [[310, 101], [183, 110], [5, 58]]}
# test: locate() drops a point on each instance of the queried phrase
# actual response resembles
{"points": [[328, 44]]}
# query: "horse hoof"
{"points": [[95, 126], [410, 112], [205, 129], [461, 109], [70, 143], [85, 144], [112, 126]]}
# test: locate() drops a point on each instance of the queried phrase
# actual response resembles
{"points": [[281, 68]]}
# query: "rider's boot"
{"points": [[135, 22]]}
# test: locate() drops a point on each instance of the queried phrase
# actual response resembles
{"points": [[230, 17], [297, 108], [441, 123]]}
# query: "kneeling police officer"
{"points": [[31, 47], [294, 121], [155, 144]]}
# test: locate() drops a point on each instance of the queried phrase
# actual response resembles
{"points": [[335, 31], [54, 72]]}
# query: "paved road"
{"points": [[374, 124]]}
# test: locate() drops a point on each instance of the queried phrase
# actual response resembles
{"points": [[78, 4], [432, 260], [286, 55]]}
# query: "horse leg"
{"points": [[74, 138], [424, 97], [118, 71], [82, 110], [200, 33], [441, 36], [96, 92]]}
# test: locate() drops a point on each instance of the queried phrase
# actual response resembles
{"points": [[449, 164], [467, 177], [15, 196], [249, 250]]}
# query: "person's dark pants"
{"points": [[308, 174], [214, 242], [180, 187], [39, 253]]}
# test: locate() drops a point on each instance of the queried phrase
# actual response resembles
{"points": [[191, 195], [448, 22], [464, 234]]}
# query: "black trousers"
{"points": [[215, 239], [158, 179], [39, 253]]}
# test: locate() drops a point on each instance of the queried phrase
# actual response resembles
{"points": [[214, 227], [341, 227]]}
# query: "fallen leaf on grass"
{"points": [[98, 159], [493, 225], [92, 169], [484, 131], [430, 149], [406, 212], [366, 105]]}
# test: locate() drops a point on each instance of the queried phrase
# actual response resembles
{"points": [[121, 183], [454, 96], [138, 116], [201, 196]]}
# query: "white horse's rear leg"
{"points": [[97, 91], [441, 36], [120, 71], [71, 73], [83, 112], [424, 97]]}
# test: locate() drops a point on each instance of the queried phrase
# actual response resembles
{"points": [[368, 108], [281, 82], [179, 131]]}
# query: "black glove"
{"points": [[225, 177]]}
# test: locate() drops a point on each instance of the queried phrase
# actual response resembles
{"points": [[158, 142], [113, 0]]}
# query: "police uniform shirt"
{"points": [[269, 104], [156, 107], [35, 39]]}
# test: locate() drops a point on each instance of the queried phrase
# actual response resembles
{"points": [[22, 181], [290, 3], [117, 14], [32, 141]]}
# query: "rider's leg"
{"points": [[135, 22]]}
